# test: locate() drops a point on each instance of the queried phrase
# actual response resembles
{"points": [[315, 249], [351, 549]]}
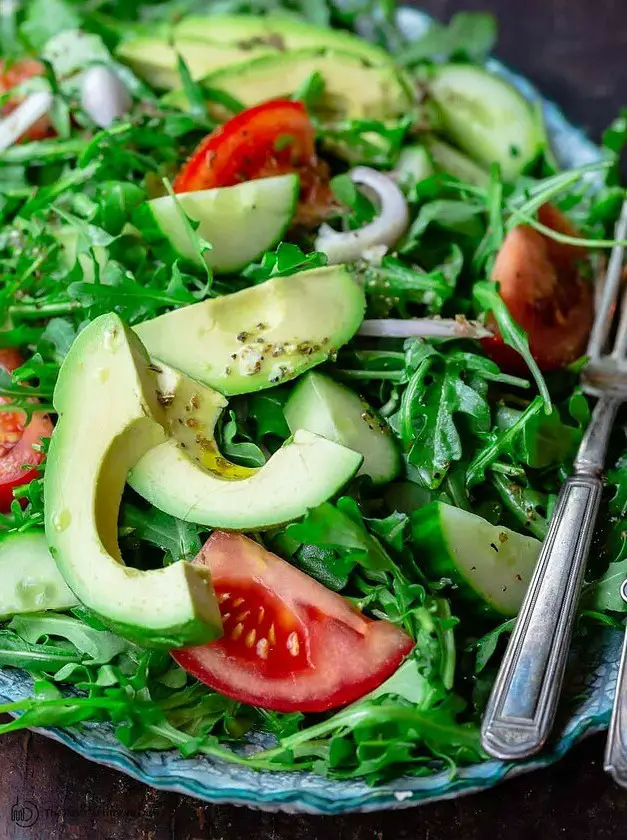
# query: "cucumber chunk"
{"points": [[486, 117], [30, 579], [491, 566], [331, 410], [414, 164], [240, 222], [448, 159]]}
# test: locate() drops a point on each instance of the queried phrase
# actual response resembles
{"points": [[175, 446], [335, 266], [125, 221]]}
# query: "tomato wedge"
{"points": [[18, 458], [289, 643], [274, 138], [16, 73], [543, 287]]}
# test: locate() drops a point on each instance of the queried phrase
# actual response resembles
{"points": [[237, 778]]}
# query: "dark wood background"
{"points": [[576, 51]]}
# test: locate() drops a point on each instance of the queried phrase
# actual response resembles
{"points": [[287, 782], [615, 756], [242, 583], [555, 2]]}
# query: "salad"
{"points": [[292, 322]]}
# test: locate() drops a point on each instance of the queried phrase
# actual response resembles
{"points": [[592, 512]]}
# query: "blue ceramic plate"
{"points": [[585, 709]]}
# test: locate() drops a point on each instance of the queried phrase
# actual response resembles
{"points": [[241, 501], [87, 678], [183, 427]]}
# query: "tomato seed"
{"points": [[262, 648], [242, 616], [293, 644], [237, 631], [238, 602], [262, 612], [249, 641], [224, 597], [271, 635]]}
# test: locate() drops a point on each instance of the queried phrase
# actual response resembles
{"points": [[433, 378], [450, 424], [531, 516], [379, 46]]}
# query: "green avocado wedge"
{"points": [[215, 42], [260, 336], [109, 416], [353, 89], [188, 477], [275, 32]]}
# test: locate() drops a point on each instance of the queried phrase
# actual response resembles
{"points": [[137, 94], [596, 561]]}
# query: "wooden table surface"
{"points": [[576, 51]]}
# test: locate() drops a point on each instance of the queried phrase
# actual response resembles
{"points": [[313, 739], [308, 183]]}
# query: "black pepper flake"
{"points": [[494, 547], [242, 336]]}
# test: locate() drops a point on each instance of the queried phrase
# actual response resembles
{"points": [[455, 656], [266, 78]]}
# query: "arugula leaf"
{"points": [[394, 284], [178, 539], [499, 443], [266, 410], [48, 658], [311, 90], [346, 192], [100, 646], [485, 647], [368, 142], [605, 593], [287, 259], [193, 91], [513, 335], [342, 527], [440, 387], [464, 218], [243, 451]]}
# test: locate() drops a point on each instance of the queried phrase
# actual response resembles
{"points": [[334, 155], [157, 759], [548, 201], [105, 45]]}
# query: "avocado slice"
{"points": [[155, 58], [187, 476], [214, 42], [260, 336], [109, 416], [354, 88], [275, 32]]}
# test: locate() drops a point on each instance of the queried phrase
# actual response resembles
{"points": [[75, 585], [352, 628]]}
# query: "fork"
{"points": [[521, 710]]}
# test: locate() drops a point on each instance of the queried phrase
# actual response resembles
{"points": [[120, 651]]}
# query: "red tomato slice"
{"points": [[16, 73], [274, 138], [541, 283], [17, 440], [289, 643]]}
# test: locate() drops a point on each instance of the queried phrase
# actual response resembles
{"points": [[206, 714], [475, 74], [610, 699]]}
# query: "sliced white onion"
{"points": [[386, 229], [424, 328], [33, 108], [103, 96]]}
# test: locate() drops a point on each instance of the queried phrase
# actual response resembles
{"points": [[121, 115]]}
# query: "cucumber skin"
{"points": [[152, 229], [428, 531], [444, 128]]}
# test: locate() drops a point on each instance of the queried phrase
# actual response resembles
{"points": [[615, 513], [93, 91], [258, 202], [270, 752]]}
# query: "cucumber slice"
{"points": [[30, 579], [486, 117], [448, 159], [490, 565], [323, 406], [414, 164], [240, 222]]}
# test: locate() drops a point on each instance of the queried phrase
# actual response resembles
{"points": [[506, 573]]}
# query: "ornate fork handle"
{"points": [[523, 702]]}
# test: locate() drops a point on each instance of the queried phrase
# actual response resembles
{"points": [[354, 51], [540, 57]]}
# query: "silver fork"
{"points": [[522, 706]]}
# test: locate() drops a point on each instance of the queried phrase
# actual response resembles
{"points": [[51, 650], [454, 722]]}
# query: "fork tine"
{"points": [[604, 315]]}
